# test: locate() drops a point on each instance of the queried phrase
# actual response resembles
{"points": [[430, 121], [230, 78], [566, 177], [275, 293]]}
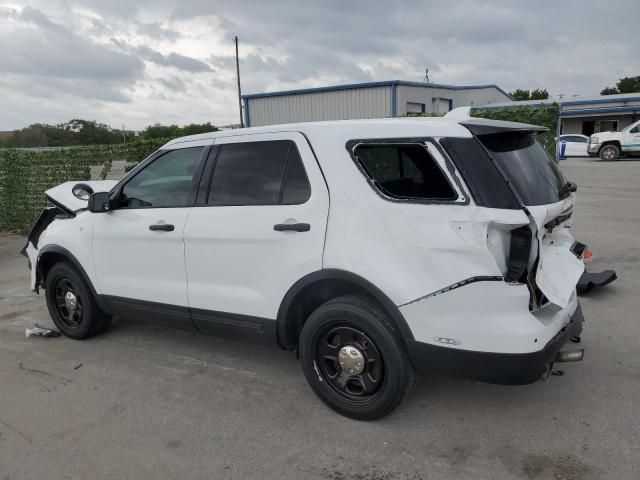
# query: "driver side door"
{"points": [[138, 245]]}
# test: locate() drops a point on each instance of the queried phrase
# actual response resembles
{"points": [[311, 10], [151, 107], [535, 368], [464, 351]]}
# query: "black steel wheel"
{"points": [[68, 303], [349, 362], [71, 304], [353, 358]]}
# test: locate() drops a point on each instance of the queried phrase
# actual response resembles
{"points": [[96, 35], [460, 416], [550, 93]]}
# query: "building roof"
{"points": [[386, 83], [621, 100]]}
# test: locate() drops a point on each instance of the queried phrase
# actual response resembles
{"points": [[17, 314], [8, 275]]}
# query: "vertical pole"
{"points": [[558, 152], [239, 91], [124, 137]]}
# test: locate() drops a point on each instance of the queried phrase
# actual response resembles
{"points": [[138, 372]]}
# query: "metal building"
{"points": [[589, 115], [364, 100]]}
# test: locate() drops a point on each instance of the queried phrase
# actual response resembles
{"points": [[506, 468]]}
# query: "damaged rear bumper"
{"points": [[500, 368]]}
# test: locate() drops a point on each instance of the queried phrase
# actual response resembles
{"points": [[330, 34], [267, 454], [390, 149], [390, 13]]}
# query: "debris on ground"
{"points": [[39, 331]]}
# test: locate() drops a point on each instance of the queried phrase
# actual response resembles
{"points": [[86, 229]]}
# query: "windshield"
{"points": [[534, 175]]}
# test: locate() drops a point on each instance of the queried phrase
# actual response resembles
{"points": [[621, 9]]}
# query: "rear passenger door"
{"points": [[258, 226]]}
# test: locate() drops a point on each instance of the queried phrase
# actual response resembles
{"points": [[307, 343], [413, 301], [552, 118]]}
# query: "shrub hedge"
{"points": [[26, 174]]}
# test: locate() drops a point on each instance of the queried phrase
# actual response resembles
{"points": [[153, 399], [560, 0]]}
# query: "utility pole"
{"points": [[124, 137], [239, 91]]}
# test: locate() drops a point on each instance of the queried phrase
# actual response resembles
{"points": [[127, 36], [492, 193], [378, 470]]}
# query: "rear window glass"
{"points": [[533, 173], [405, 171]]}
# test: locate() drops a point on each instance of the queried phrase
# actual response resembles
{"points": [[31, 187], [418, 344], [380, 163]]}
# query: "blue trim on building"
{"points": [[388, 83], [247, 115], [394, 100], [587, 111], [602, 100]]}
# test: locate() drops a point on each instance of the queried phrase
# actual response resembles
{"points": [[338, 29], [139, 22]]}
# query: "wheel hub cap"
{"points": [[70, 301], [351, 360]]}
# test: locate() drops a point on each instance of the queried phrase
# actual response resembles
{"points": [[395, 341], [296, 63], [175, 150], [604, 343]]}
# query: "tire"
{"points": [[609, 153], [72, 306], [375, 372]]}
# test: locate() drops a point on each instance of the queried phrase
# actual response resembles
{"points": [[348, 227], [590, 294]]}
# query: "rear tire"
{"points": [[609, 153], [71, 304], [354, 359]]}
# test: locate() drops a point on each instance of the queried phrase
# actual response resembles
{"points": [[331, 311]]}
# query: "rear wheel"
{"points": [[609, 153], [71, 304], [353, 358]]}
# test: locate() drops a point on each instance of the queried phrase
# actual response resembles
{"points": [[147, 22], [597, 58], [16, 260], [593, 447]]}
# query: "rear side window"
{"points": [[259, 173], [404, 171]]}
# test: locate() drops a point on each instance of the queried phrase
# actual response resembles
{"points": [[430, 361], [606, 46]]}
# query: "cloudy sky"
{"points": [[137, 62]]}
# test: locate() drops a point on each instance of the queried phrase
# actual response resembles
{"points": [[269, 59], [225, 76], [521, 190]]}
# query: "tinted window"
{"points": [[534, 174], [166, 182], [296, 188], [252, 173], [573, 139], [405, 171]]}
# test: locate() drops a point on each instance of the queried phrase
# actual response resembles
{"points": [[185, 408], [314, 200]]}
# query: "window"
{"points": [[405, 171], [608, 125], [415, 107], [166, 182], [574, 139], [533, 174], [259, 173]]}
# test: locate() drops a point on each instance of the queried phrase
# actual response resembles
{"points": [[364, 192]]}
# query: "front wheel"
{"points": [[71, 304], [353, 358], [609, 153]]}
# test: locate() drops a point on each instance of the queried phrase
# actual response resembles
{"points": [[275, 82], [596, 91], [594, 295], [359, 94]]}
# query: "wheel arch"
{"points": [[610, 142], [49, 255], [316, 288]]}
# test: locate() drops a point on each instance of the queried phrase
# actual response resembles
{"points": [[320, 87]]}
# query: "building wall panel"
{"points": [[330, 105]]}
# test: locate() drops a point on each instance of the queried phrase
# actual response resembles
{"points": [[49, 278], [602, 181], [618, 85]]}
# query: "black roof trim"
{"points": [[483, 126]]}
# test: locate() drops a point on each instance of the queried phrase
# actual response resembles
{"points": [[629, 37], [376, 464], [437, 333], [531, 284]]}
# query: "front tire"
{"points": [[354, 359], [609, 153], [71, 304]]}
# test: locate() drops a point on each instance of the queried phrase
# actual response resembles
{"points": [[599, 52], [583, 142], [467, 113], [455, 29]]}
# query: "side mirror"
{"points": [[99, 202], [82, 191]]}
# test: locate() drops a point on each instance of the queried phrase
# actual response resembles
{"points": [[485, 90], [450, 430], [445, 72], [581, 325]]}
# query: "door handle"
{"points": [[295, 227], [162, 227]]}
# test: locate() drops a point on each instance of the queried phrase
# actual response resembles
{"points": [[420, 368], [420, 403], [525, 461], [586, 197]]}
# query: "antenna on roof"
{"points": [[426, 76]]}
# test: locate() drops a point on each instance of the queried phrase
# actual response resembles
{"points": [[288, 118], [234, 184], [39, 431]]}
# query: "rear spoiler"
{"points": [[483, 126]]}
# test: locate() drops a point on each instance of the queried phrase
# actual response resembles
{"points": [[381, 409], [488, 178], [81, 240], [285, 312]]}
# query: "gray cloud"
{"points": [[173, 59], [149, 51], [54, 51], [156, 31]]}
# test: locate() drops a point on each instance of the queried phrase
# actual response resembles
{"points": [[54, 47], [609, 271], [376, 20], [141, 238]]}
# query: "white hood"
{"points": [[62, 195]]}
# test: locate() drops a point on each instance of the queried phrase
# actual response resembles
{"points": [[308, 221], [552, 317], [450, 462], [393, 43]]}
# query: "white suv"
{"points": [[367, 247]]}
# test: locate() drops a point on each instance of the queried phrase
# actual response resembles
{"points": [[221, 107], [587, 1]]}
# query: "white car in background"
{"points": [[575, 145]]}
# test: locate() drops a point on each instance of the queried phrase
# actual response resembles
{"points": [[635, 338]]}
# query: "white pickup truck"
{"points": [[610, 145]]}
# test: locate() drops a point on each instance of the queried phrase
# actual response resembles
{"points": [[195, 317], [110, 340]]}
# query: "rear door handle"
{"points": [[162, 227], [295, 227]]}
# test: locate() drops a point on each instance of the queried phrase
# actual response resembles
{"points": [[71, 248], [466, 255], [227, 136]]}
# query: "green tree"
{"points": [[171, 131], [537, 94], [520, 95], [624, 85]]}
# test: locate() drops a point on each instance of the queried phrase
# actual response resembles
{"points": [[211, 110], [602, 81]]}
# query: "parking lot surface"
{"points": [[146, 402]]}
